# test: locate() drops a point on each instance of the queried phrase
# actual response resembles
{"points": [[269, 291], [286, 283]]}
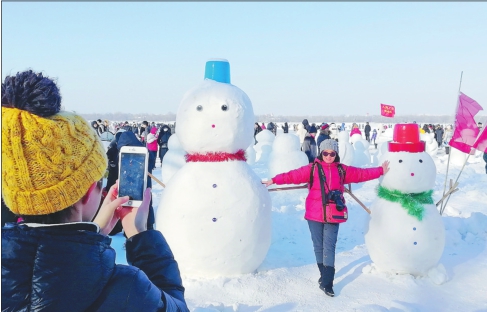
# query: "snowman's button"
{"points": [[415, 243], [214, 185], [199, 108], [213, 126], [224, 107], [420, 160], [214, 219], [414, 229]]}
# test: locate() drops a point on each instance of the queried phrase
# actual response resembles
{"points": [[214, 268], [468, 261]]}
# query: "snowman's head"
{"points": [[409, 172], [215, 117]]}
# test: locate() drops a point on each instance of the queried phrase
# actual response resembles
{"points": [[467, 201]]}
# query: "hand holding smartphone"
{"points": [[132, 177]]}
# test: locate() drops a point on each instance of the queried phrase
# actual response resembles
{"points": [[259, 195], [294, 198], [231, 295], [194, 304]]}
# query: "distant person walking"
{"points": [[309, 144], [367, 131], [374, 137], [162, 139]]}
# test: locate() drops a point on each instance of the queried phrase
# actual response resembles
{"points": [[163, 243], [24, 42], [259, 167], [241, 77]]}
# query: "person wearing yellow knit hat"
{"points": [[59, 258]]}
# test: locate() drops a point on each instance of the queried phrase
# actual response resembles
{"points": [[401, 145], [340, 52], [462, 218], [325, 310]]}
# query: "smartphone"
{"points": [[132, 174]]}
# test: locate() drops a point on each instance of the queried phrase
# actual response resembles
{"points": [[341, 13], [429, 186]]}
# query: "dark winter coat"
{"points": [[439, 134], [70, 267], [285, 128], [257, 129], [309, 148], [164, 135], [112, 155], [367, 129], [127, 128], [306, 124]]}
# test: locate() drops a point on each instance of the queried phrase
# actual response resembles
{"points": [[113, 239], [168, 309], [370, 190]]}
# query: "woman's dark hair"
{"points": [[31, 92], [52, 218]]}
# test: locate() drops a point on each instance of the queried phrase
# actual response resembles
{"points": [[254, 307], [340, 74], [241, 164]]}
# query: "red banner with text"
{"points": [[387, 110]]}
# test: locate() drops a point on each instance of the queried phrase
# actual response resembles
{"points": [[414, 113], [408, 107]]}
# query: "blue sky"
{"points": [[291, 58]]}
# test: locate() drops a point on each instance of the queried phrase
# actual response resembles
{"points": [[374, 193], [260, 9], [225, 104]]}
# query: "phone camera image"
{"points": [[131, 179]]}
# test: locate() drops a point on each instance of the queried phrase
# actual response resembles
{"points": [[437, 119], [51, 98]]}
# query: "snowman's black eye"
{"points": [[199, 108], [224, 107], [400, 160], [421, 161]]}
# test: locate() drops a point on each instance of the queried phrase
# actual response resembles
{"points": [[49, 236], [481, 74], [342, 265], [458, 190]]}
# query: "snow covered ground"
{"points": [[287, 279]]}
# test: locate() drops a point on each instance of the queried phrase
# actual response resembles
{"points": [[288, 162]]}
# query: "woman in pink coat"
{"points": [[324, 234], [355, 129]]}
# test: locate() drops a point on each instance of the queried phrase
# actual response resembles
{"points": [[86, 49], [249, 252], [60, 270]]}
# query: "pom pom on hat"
{"points": [[49, 158], [329, 144]]}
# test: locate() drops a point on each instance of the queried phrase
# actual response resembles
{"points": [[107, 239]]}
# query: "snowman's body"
{"points": [[345, 149], [431, 144], [216, 228], [286, 155], [173, 160], [361, 157], [263, 148], [215, 212], [397, 241]]}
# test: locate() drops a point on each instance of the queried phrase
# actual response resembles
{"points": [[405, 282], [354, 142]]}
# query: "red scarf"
{"points": [[216, 157]]}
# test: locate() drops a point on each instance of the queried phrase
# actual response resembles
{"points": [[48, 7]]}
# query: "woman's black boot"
{"points": [[320, 267], [327, 277]]}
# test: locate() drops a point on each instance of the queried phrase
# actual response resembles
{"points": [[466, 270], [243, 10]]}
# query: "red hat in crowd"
{"points": [[325, 126], [406, 139]]}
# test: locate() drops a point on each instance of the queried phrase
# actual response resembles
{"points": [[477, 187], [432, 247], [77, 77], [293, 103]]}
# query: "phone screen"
{"points": [[131, 179]]}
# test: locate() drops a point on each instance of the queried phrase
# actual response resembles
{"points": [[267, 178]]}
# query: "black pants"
{"points": [[162, 152]]}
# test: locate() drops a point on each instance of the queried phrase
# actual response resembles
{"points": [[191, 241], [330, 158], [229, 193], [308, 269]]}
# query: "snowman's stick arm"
{"points": [[444, 206], [288, 188], [155, 179], [451, 190], [356, 199], [306, 186]]}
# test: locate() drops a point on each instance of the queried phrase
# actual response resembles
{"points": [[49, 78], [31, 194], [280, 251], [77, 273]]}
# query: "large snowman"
{"points": [[406, 234], [215, 212]]}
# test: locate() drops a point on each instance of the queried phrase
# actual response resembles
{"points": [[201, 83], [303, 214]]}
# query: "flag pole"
{"points": [[449, 154], [455, 184]]}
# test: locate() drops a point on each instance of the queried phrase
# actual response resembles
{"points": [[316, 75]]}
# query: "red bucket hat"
{"points": [[406, 139]]}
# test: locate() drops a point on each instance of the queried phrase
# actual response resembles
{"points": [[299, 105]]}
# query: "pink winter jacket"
{"points": [[152, 140], [314, 204], [355, 130]]}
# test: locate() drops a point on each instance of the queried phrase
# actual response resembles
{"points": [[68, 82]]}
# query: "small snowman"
{"points": [[286, 154], [457, 157], [431, 144], [250, 153], [361, 155], [345, 149], [215, 212], [405, 233], [173, 160], [263, 148]]}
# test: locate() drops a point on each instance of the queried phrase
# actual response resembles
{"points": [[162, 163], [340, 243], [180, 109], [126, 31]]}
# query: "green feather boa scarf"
{"points": [[412, 202]]}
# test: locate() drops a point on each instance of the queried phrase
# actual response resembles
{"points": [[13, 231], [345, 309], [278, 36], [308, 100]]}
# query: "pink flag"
{"points": [[466, 129], [387, 110], [481, 143]]}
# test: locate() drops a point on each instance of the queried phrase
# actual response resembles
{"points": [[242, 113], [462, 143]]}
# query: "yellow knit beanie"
{"points": [[48, 163]]}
